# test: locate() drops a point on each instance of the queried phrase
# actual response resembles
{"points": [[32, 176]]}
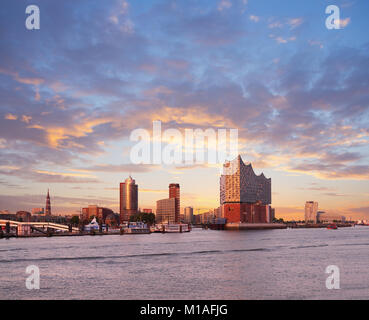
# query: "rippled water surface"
{"points": [[202, 264]]}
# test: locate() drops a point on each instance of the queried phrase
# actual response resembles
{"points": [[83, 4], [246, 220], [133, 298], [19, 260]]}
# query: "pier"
{"points": [[254, 226], [317, 225]]}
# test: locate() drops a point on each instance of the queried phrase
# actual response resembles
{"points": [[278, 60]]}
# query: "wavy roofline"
{"points": [[239, 158]]}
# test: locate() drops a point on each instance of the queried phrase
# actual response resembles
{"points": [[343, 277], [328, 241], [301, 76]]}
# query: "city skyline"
{"points": [[243, 186], [296, 91]]}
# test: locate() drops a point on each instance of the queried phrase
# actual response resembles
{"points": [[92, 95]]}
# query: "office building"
{"points": [[218, 212], [188, 215], [311, 210], [166, 211], [128, 197]]}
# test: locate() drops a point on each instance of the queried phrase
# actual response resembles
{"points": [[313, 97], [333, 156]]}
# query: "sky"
{"points": [[72, 92]]}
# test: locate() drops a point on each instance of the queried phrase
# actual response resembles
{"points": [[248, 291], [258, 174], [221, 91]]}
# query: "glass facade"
{"points": [[128, 199], [239, 183]]}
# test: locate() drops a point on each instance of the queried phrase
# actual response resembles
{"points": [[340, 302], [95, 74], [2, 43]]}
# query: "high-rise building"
{"points": [[272, 214], [165, 207], [239, 183], [174, 192], [218, 212], [48, 204], [166, 211], [244, 196], [128, 199], [311, 210], [188, 215], [318, 214]]}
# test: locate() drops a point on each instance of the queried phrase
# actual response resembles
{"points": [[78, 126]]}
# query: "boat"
{"points": [[94, 226], [332, 226], [136, 228], [158, 228], [176, 228], [218, 224], [362, 223]]}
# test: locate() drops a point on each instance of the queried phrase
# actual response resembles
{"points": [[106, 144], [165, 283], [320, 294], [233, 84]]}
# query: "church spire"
{"points": [[48, 205]]}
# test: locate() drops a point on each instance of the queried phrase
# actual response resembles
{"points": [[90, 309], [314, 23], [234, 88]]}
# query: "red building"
{"points": [[174, 192], [99, 212], [247, 212]]}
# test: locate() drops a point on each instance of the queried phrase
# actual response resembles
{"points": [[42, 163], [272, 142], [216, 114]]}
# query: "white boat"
{"points": [[156, 228], [176, 228], [93, 225], [136, 228]]}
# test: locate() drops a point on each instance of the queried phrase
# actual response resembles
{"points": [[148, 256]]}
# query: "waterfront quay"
{"points": [[254, 226], [58, 234], [317, 225], [36, 230]]}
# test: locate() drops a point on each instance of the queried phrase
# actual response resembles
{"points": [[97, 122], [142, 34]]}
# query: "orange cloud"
{"points": [[56, 136], [10, 116], [65, 174], [25, 80]]}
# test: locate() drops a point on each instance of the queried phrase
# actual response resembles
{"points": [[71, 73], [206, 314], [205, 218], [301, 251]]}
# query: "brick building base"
{"points": [[247, 212]]}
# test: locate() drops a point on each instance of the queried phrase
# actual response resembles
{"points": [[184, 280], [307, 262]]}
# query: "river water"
{"points": [[202, 264]]}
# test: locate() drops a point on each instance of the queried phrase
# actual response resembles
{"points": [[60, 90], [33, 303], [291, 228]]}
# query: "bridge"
{"points": [[38, 225]]}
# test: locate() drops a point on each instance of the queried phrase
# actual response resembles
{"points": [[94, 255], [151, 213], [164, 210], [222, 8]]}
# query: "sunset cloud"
{"points": [[10, 116]]}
